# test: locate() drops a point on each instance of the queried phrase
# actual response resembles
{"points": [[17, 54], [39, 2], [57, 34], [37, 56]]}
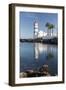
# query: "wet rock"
{"points": [[44, 68], [29, 71], [23, 74]]}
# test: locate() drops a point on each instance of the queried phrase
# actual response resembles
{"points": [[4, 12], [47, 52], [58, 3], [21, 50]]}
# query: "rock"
{"points": [[47, 74], [23, 74], [29, 71], [44, 68]]}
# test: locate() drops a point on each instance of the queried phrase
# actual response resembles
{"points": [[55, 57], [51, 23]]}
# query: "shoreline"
{"points": [[53, 41]]}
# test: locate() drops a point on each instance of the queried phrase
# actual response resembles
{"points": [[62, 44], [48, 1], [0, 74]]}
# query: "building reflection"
{"points": [[38, 49]]}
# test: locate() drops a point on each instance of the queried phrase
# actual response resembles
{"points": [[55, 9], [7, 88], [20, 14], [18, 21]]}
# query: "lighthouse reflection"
{"points": [[40, 48], [36, 51]]}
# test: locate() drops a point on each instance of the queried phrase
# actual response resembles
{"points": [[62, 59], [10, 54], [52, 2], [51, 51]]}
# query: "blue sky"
{"points": [[27, 19]]}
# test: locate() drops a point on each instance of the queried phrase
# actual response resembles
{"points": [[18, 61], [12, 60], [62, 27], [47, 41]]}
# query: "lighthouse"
{"points": [[36, 28]]}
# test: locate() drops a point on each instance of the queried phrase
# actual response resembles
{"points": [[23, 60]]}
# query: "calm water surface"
{"points": [[34, 55]]}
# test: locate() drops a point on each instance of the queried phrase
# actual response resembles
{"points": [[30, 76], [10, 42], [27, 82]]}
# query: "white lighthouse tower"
{"points": [[36, 28]]}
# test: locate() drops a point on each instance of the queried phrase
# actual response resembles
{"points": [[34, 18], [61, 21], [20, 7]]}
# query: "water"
{"points": [[34, 55]]}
